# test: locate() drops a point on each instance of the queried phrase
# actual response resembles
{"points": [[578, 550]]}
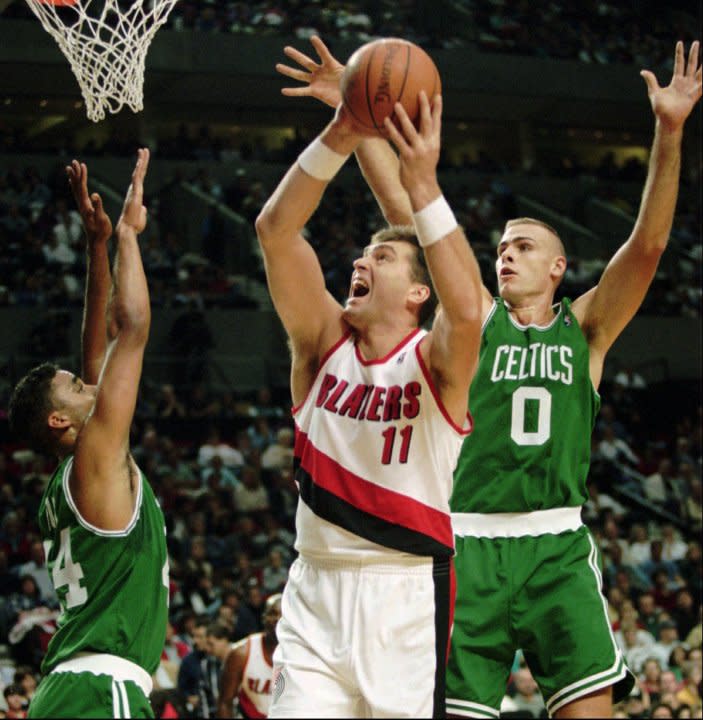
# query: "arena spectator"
{"points": [[673, 547], [17, 703], [195, 676], [215, 445], [667, 640], [279, 455], [251, 495]]}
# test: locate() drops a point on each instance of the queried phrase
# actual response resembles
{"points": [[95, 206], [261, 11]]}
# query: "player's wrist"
{"points": [[323, 160], [664, 128], [434, 221]]}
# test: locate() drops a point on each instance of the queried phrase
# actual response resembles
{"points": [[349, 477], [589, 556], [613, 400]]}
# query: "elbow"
{"points": [[132, 321], [468, 313], [468, 323], [265, 226]]}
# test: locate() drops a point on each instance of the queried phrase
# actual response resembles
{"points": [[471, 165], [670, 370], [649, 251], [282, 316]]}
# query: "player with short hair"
{"points": [[527, 568], [380, 414], [247, 673], [102, 528]]}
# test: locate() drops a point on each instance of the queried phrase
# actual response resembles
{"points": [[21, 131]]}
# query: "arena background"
{"points": [[545, 115]]}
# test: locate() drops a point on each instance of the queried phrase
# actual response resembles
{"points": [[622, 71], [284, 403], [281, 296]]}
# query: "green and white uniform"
{"points": [[113, 591], [527, 569]]}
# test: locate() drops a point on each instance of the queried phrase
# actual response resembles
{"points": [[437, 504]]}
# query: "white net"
{"points": [[106, 42]]}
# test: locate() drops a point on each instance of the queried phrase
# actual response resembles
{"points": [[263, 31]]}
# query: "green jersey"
{"points": [[534, 407], [112, 585]]}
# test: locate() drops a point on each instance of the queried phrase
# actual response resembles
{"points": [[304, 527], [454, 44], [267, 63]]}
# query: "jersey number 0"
{"points": [[544, 414]]}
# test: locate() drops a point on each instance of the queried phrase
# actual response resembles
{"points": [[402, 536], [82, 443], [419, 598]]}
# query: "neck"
{"points": [[270, 643], [532, 311], [379, 340]]}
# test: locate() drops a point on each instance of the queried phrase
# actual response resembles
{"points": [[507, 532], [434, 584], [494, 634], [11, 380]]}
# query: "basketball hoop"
{"points": [[106, 44]]}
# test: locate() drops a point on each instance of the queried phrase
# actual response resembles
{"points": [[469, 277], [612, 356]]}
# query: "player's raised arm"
{"points": [[310, 315], [605, 310], [98, 230], [104, 481], [455, 337], [378, 163]]}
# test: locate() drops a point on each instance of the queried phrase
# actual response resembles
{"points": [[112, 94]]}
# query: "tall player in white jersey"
{"points": [[247, 673], [380, 415]]}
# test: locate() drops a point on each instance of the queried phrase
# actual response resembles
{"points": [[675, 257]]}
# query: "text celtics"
{"points": [[537, 360]]}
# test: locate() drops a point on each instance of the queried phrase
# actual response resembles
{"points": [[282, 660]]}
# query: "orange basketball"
{"points": [[384, 72]]}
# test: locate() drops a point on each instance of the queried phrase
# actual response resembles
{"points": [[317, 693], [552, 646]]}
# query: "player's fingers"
{"points": [[97, 202], [72, 175], [426, 124], [406, 125], [297, 91], [84, 178], [140, 172], [323, 51], [678, 59], [693, 58], [395, 136], [437, 107], [301, 58], [698, 90], [293, 73], [651, 80]]}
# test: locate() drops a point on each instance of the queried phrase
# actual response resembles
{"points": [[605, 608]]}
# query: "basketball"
{"points": [[384, 72]]}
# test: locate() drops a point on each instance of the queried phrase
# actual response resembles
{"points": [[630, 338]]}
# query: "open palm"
{"points": [[673, 104], [134, 212], [322, 78], [96, 222]]}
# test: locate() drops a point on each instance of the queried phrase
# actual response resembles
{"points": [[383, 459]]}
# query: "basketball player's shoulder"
{"points": [[240, 647]]}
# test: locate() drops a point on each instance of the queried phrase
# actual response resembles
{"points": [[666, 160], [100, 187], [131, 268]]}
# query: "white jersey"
{"points": [[255, 691], [374, 455]]}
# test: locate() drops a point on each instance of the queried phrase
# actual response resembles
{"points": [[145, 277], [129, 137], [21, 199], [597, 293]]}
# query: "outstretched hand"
{"points": [[133, 211], [97, 224], [673, 104], [322, 79], [418, 150]]}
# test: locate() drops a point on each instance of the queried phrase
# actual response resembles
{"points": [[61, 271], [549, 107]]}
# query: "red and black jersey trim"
{"points": [[375, 513], [247, 709], [332, 508], [444, 593]]}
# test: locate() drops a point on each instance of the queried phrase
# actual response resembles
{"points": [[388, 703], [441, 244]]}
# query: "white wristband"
{"points": [[321, 162], [434, 221]]}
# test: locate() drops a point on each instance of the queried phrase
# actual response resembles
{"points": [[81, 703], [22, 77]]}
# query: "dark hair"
{"points": [[218, 630], [419, 271], [30, 405], [13, 689], [658, 705]]}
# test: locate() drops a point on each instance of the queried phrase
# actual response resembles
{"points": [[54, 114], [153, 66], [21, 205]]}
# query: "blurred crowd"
{"points": [[590, 31], [221, 466], [42, 251]]}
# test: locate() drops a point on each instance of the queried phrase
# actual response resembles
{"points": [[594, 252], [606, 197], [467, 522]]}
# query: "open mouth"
{"points": [[506, 272], [358, 288]]}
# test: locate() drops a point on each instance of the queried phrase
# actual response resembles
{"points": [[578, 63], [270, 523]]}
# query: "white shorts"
{"points": [[364, 641]]}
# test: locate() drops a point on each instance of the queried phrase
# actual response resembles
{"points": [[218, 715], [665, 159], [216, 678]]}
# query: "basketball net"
{"points": [[106, 44]]}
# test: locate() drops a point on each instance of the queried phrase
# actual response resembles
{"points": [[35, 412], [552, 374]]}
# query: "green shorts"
{"points": [[542, 595], [84, 695]]}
